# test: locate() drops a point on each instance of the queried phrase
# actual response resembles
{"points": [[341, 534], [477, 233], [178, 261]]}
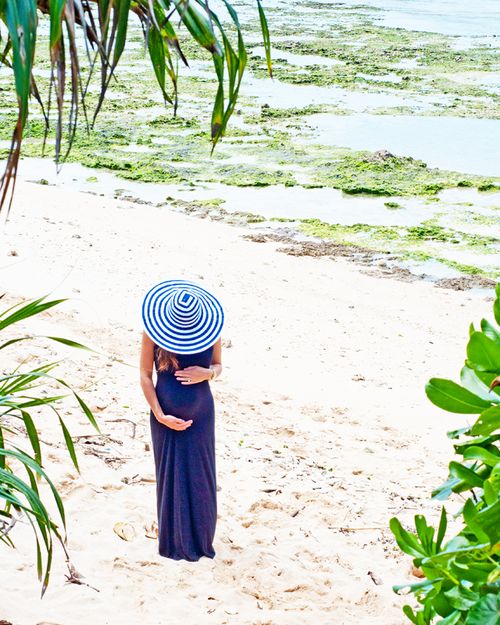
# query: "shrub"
{"points": [[462, 574]]}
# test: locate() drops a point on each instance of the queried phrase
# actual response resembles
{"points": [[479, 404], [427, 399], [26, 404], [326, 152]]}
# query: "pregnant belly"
{"points": [[186, 402]]}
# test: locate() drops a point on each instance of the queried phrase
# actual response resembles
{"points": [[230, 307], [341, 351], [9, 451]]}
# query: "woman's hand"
{"points": [[193, 375], [174, 423]]}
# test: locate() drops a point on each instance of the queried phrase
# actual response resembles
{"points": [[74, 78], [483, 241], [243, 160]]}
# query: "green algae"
{"points": [[407, 242], [392, 205], [375, 66], [366, 173]]}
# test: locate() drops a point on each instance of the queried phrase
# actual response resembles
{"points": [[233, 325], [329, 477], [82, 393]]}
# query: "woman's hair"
{"points": [[166, 360]]}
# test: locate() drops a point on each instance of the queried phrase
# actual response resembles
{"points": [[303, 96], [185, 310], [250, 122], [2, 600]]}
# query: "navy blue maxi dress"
{"points": [[185, 464]]}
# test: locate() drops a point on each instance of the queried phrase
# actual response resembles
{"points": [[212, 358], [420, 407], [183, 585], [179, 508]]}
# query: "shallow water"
{"points": [[283, 95], [301, 60], [326, 204], [454, 143], [449, 17]]}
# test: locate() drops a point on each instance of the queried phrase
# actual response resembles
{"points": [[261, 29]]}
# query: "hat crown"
{"points": [[185, 308]]}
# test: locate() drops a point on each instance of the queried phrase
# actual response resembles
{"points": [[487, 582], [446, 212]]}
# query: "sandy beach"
{"points": [[323, 430]]}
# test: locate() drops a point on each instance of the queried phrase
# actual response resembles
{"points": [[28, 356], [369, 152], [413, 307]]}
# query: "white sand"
{"points": [[321, 399]]}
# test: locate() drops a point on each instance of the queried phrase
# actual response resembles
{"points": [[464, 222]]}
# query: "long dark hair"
{"points": [[166, 360]]}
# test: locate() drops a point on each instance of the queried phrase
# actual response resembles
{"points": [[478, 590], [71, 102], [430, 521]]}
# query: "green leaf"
{"points": [[461, 598], [69, 444], [485, 612], [475, 572], [70, 343], [451, 619], [486, 457], [28, 310], [21, 21], [453, 397], [28, 461], [489, 493], [487, 379], [426, 583], [488, 519], [406, 541], [470, 516], [199, 25], [156, 49], [410, 614], [483, 353], [454, 434], [32, 435], [425, 533], [87, 412], [218, 113], [464, 473], [452, 485], [494, 479], [441, 529], [486, 442], [490, 330], [459, 547], [488, 421], [471, 381], [496, 305]]}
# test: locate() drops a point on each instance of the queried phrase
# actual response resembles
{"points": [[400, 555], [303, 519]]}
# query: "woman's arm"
{"points": [[195, 374], [217, 359], [146, 377]]}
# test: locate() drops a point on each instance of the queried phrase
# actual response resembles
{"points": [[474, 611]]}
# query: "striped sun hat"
{"points": [[182, 317]]}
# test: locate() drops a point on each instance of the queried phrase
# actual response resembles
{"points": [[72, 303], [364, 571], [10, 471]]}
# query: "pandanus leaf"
{"points": [[56, 8], [156, 53], [21, 21], [199, 25], [266, 37], [121, 15], [24, 311]]}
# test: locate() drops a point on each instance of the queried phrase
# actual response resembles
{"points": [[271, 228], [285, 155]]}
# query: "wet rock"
{"points": [[463, 283]]}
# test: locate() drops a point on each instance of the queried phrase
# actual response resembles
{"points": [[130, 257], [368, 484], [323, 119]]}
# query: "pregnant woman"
{"points": [[181, 340]]}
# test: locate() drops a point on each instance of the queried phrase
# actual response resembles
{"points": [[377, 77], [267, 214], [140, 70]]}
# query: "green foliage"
{"points": [[21, 391], [462, 574]]}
